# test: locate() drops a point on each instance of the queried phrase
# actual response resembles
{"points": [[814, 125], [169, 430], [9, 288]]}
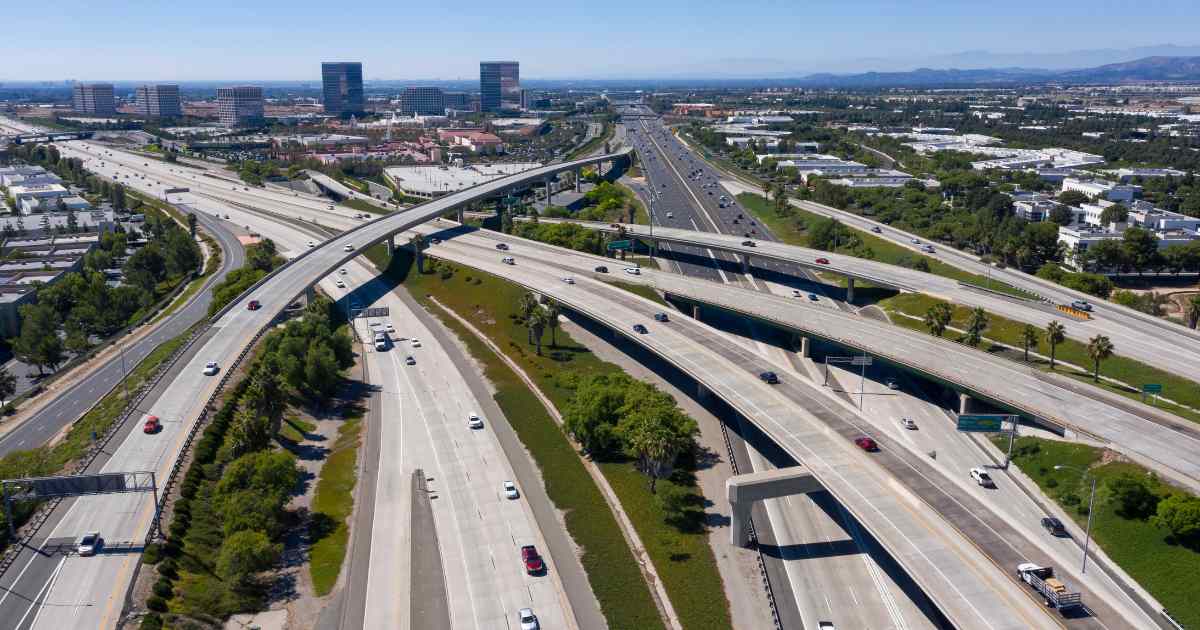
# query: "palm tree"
{"points": [[937, 318], [1099, 348], [526, 306], [537, 327], [976, 324], [1193, 311], [418, 242], [657, 439], [8, 384], [552, 312], [1056, 333], [1030, 336]]}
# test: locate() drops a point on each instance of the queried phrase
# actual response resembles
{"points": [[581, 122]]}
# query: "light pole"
{"points": [[1091, 501]]}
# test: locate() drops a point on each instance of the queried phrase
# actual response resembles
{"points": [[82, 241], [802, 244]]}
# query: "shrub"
{"points": [[167, 569], [152, 554], [151, 622], [163, 589], [157, 604], [1131, 496]]}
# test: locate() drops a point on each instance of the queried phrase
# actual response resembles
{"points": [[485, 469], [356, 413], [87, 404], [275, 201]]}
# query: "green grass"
{"points": [[1166, 570], [1008, 332], [364, 206], [791, 230], [331, 507], [640, 289], [293, 429], [680, 552]]}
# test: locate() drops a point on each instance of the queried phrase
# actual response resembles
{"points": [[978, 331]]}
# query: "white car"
{"points": [[508, 260], [528, 619], [510, 490], [348, 248], [416, 343], [89, 544], [797, 293], [390, 328], [211, 368], [312, 244], [569, 280], [982, 477], [892, 384], [340, 284], [633, 271], [908, 423], [342, 271], [474, 421]]}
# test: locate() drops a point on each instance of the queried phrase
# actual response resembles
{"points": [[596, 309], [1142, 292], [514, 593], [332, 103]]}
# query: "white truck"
{"points": [[1053, 589], [381, 341]]}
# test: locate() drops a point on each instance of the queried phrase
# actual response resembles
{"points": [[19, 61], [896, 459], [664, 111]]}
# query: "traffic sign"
{"points": [[860, 361], [1152, 388], [985, 423], [626, 244]]}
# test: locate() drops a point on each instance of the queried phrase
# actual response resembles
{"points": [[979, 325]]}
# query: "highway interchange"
{"points": [[693, 346]]}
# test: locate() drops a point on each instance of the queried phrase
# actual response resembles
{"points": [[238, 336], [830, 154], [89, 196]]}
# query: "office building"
{"points": [[159, 101], [499, 85], [456, 100], [95, 98], [342, 88], [424, 101], [240, 105]]}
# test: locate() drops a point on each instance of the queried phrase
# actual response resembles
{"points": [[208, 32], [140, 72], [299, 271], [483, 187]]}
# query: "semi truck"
{"points": [[1042, 580]]}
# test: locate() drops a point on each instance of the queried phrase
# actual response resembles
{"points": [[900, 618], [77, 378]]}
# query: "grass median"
{"points": [[679, 551], [331, 507], [1163, 567]]}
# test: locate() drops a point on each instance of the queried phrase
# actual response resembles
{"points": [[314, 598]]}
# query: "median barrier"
{"points": [[1074, 312]]}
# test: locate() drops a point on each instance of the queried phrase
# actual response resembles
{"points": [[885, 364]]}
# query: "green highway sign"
{"points": [[626, 244], [987, 423], [1152, 388]]}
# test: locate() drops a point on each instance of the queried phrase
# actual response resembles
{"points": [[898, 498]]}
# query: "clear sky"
{"points": [[424, 39]]}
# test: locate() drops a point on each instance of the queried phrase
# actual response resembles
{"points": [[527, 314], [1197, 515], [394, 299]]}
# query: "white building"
{"points": [[37, 193], [433, 181], [1101, 188], [12, 175], [1170, 228], [1123, 175]]}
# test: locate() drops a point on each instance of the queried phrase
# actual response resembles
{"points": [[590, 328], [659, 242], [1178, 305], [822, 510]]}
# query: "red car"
{"points": [[822, 261], [151, 425], [533, 561], [253, 305], [866, 444]]}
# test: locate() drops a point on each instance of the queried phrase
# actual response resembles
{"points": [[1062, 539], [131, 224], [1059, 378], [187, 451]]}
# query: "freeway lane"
{"points": [[71, 403]]}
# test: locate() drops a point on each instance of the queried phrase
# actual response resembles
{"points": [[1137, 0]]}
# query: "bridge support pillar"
{"points": [[579, 180], [696, 312], [805, 347], [310, 294], [965, 404], [549, 190], [849, 289], [416, 247], [459, 212], [391, 245], [746, 263], [701, 392], [743, 490]]}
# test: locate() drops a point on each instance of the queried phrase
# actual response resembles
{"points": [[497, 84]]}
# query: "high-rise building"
{"points": [[499, 85], [342, 88], [240, 105], [425, 101], [457, 100], [159, 101], [94, 98]]}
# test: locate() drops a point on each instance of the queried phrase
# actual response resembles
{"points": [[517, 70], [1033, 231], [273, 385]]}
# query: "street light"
{"points": [[1088, 536]]}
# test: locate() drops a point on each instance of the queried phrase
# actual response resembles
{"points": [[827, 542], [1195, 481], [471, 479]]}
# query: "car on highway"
{"points": [[510, 490], [528, 620], [533, 560], [1082, 305], [416, 343], [339, 283], [876, 229], [982, 477], [908, 423], [1054, 526], [381, 341], [640, 329], [254, 305], [928, 249], [151, 424], [508, 260], [211, 368], [797, 293], [569, 280], [670, 215], [892, 384], [813, 297], [660, 317], [89, 544], [502, 246], [865, 443], [474, 421], [769, 377], [748, 243], [409, 360], [390, 328], [435, 241], [347, 248], [633, 271], [601, 269]]}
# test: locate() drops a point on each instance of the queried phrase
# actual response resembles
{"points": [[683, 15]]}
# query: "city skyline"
{"points": [[226, 45]]}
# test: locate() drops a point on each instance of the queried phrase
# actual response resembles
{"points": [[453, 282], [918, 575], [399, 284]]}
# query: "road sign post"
{"points": [[861, 361], [1151, 388], [981, 422], [622, 245]]}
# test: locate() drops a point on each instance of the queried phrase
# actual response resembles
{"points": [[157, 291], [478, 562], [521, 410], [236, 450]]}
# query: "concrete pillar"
{"points": [[696, 312], [701, 392], [391, 245], [459, 210], [746, 263], [849, 289], [739, 523], [416, 247], [964, 404], [310, 294], [579, 180], [805, 349], [549, 191], [743, 490]]}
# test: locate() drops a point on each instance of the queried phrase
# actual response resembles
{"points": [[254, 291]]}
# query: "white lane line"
{"points": [[45, 589]]}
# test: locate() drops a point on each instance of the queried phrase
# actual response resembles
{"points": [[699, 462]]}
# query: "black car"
{"points": [[502, 246], [769, 377], [640, 329], [1054, 526], [748, 243], [601, 269], [660, 317]]}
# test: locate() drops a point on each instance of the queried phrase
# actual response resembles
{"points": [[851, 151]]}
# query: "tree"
{"points": [[321, 371], [1056, 333], [1131, 496], [937, 318], [526, 305], [537, 327], [8, 384], [1030, 336], [656, 434], [1072, 198], [1061, 215], [76, 340], [824, 233], [245, 553], [191, 221], [1180, 513], [590, 416], [1099, 348], [38, 343], [1141, 248], [553, 310], [1193, 311], [249, 431], [977, 323], [1115, 213]]}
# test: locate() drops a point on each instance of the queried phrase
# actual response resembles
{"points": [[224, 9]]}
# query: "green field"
{"points": [[1166, 570], [331, 507]]}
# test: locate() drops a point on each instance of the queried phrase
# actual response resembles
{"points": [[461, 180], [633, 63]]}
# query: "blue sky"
{"points": [[225, 40]]}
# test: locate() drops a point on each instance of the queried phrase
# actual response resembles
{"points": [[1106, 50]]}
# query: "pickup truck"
{"points": [[1053, 589]]}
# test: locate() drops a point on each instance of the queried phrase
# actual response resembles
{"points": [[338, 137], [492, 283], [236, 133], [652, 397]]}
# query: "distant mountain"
{"points": [[1158, 68]]}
